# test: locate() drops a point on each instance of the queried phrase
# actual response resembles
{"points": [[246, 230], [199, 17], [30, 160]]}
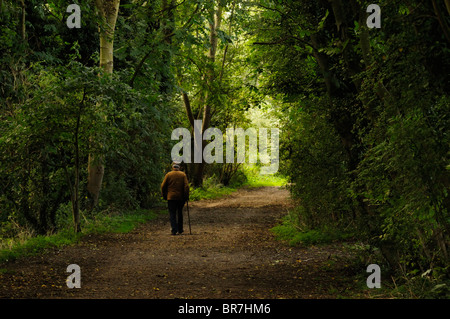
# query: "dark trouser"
{"points": [[176, 210]]}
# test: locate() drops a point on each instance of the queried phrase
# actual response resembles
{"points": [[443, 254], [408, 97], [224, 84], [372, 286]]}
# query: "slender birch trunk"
{"points": [[108, 11]]}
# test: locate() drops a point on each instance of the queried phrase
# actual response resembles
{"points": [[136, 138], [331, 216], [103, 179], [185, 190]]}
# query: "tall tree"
{"points": [[364, 118], [205, 65], [108, 11], [215, 20]]}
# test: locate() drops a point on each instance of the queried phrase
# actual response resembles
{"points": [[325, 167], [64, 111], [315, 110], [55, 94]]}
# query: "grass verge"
{"points": [[290, 231], [250, 177], [14, 248]]}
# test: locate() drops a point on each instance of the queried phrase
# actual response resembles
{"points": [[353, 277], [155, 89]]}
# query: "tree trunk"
{"points": [[108, 11], [216, 19], [168, 25], [342, 118], [441, 19], [76, 190], [23, 22]]}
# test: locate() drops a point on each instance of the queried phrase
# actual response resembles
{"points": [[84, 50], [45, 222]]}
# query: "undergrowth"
{"points": [[294, 233], [27, 244], [249, 177], [16, 242], [433, 283]]}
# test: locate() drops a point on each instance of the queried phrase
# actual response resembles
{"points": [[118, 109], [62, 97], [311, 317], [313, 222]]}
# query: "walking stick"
{"points": [[189, 218]]}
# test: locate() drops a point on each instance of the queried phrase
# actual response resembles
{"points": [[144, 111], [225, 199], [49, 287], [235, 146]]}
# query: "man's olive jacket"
{"points": [[175, 186]]}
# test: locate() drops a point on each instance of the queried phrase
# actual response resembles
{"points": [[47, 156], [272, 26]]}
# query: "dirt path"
{"points": [[231, 254]]}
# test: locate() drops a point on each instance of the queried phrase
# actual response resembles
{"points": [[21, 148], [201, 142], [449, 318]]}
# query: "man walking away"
{"points": [[175, 189]]}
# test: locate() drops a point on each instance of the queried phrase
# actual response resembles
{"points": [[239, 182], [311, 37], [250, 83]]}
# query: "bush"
{"points": [[317, 168], [106, 221], [290, 229]]}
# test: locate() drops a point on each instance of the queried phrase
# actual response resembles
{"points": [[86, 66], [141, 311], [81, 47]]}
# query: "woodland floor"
{"points": [[231, 254]]}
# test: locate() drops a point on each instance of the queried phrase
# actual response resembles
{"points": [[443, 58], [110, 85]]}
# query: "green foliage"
{"points": [[111, 222], [40, 137], [114, 222], [290, 230], [138, 145], [210, 190], [246, 176], [13, 249], [49, 135], [364, 115], [316, 164], [365, 141], [255, 179]]}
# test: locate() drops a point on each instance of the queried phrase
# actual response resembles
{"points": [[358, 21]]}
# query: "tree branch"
{"points": [[187, 106], [284, 39], [139, 67], [442, 22]]}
